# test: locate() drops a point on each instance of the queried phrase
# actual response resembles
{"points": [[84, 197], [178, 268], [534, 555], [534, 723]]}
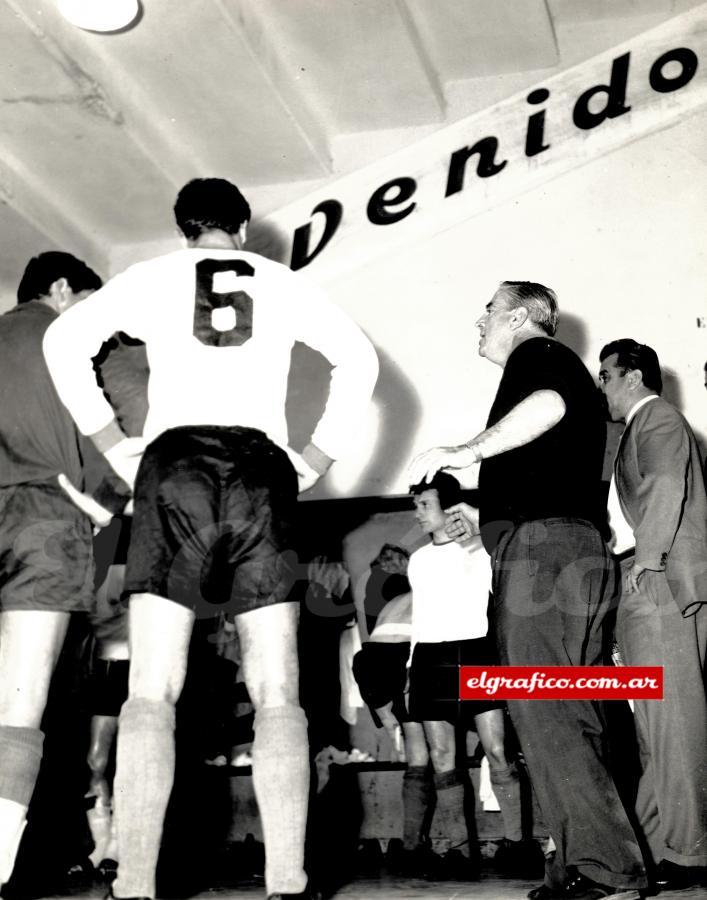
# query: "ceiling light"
{"points": [[99, 15]]}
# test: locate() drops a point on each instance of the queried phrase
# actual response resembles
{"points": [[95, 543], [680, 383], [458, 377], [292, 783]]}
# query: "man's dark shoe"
{"points": [[579, 887], [519, 859], [672, 877], [418, 863], [454, 866], [107, 869], [544, 892], [369, 857]]}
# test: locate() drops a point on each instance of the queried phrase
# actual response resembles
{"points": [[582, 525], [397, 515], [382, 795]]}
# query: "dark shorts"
{"points": [[108, 686], [213, 517], [434, 681], [380, 669], [46, 557]]}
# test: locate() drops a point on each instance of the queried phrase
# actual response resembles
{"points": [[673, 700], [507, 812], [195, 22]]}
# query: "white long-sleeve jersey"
{"points": [[219, 326]]}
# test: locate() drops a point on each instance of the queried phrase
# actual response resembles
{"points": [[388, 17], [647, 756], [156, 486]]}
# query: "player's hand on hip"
{"points": [[98, 514], [462, 521], [125, 456], [632, 579], [425, 465]]}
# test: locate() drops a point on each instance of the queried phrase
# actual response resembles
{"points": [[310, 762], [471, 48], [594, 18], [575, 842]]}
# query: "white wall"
{"points": [[622, 242]]}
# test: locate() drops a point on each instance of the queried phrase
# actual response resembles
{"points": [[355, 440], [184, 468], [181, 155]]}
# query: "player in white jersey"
{"points": [[213, 500], [450, 585]]}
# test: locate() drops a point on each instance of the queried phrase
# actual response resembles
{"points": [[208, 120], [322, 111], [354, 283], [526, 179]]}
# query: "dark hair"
{"points": [[43, 270], [447, 487], [207, 204], [632, 356], [540, 301]]}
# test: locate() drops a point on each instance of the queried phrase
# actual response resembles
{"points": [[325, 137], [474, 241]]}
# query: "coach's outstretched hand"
{"points": [[125, 458], [425, 465]]}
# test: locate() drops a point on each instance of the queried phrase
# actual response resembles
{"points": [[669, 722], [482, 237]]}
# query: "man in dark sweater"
{"points": [[540, 517], [46, 560]]}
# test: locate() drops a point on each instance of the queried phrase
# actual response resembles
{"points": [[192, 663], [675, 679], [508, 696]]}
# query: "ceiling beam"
{"points": [[251, 27]]}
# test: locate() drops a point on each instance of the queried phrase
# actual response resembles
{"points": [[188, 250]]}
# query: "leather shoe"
{"points": [[575, 887], [544, 892], [672, 877], [579, 887], [454, 866]]}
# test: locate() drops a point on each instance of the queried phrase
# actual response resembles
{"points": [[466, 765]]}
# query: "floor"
{"points": [[491, 887]]}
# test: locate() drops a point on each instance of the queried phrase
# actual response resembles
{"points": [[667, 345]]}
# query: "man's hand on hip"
{"points": [[125, 456]]}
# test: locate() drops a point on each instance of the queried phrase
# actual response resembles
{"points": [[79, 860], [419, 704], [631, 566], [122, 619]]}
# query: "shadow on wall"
{"points": [[266, 240], [395, 396], [672, 389], [399, 414], [573, 332]]}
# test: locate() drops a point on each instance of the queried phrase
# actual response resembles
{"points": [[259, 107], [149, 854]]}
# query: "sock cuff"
{"points": [[449, 779], [138, 713], [280, 714], [20, 759], [504, 775], [415, 773]]}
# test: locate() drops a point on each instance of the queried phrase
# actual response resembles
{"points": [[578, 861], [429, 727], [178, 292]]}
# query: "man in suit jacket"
{"points": [[662, 615]]}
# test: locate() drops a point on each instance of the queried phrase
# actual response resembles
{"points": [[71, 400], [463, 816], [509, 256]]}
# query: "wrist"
{"points": [[474, 447], [110, 435], [316, 459]]}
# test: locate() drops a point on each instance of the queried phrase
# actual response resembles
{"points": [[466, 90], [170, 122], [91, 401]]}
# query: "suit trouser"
{"points": [[552, 588], [672, 733]]}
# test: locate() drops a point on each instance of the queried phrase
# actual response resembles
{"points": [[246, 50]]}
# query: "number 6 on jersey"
{"points": [[223, 314]]}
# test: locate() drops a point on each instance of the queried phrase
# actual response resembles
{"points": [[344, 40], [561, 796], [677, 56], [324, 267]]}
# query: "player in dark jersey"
{"points": [[213, 500], [46, 563]]}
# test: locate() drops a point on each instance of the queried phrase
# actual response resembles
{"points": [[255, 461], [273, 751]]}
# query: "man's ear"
{"points": [[58, 287], [519, 316], [59, 291], [635, 378], [242, 232]]}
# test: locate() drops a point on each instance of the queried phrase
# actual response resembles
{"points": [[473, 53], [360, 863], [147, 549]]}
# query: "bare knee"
{"points": [[442, 742], [97, 760], [443, 759], [160, 632], [415, 745], [496, 755]]}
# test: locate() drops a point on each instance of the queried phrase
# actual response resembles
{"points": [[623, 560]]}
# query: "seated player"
{"points": [[380, 668], [450, 589], [388, 579], [214, 500]]}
